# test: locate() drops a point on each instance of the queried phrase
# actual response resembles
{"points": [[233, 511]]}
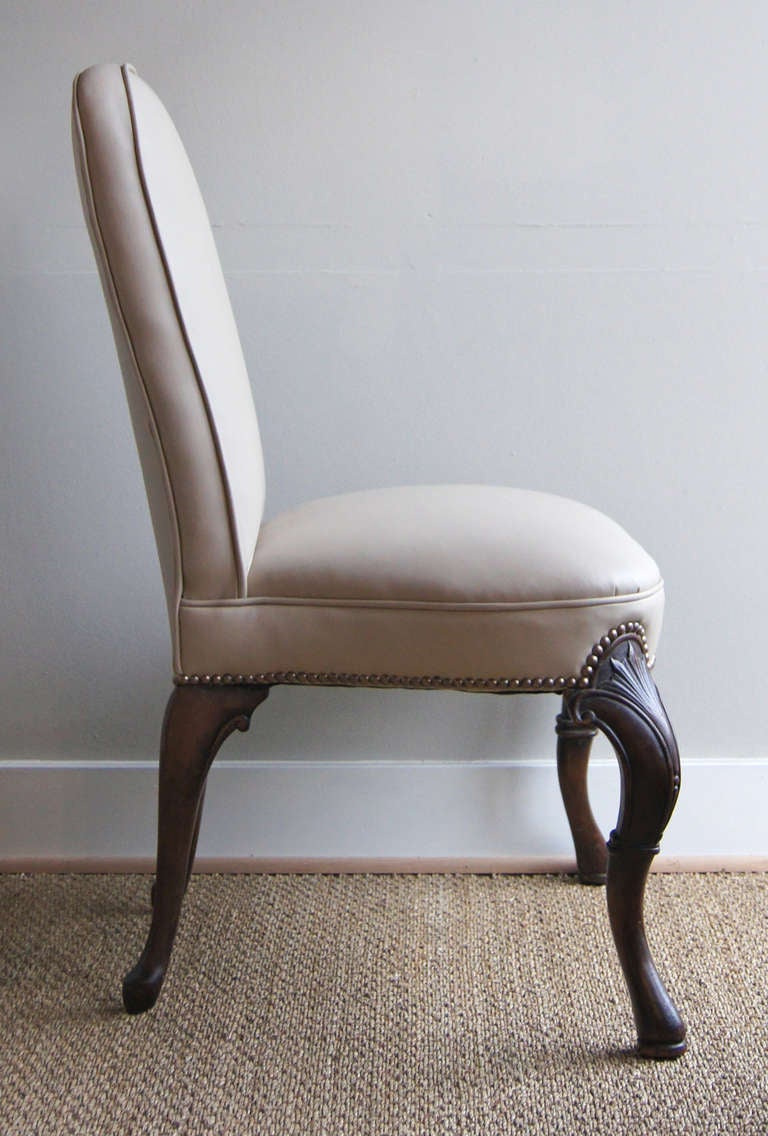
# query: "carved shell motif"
{"points": [[626, 672]]}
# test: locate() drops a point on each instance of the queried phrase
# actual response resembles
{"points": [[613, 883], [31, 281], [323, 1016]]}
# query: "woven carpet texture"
{"points": [[378, 1006]]}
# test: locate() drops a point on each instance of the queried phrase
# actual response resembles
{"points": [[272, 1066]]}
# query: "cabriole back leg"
{"points": [[622, 700], [193, 843], [197, 721], [573, 745]]}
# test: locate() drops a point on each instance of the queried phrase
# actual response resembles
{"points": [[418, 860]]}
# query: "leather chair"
{"points": [[463, 587]]}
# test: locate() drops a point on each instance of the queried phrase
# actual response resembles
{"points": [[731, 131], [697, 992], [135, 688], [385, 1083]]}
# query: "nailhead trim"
{"points": [[636, 630], [427, 682]]}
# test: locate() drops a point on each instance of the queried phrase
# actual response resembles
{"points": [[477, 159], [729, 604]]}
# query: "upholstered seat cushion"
{"points": [[446, 582]]}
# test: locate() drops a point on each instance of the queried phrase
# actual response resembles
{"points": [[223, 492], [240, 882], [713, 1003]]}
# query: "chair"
{"points": [[468, 588]]}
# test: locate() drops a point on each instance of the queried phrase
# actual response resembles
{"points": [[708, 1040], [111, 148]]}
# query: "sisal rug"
{"points": [[378, 1006]]}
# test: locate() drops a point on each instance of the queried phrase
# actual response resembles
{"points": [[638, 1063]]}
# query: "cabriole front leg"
{"points": [[622, 700], [197, 721]]}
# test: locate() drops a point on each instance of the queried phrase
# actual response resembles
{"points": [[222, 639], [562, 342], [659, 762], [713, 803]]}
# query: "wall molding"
{"points": [[372, 816], [294, 865]]}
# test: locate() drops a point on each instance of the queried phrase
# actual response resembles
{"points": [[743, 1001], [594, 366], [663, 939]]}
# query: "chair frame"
{"points": [[614, 693]]}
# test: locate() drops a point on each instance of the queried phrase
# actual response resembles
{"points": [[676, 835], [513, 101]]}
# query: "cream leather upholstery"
{"points": [[450, 581], [183, 367], [440, 585]]}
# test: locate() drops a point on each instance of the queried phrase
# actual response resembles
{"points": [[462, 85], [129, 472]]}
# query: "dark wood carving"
{"points": [[618, 697], [623, 702], [197, 720]]}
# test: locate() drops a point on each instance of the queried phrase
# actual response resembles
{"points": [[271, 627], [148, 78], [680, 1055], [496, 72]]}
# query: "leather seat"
{"points": [[429, 585]]}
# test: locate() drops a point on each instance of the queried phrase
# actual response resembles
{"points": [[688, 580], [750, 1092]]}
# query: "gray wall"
{"points": [[493, 242]]}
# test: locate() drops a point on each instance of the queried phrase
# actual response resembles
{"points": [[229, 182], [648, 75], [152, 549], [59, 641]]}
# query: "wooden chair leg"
{"points": [[195, 833], [622, 701], [197, 720], [573, 746], [192, 847]]}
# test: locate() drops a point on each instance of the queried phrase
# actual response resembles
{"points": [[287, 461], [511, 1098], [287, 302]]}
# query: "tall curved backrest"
{"points": [[182, 363]]}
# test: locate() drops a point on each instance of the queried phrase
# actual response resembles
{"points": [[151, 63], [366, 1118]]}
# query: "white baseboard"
{"points": [[365, 816], [454, 865]]}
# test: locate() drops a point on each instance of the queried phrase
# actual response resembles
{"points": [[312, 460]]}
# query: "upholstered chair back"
{"points": [[185, 377]]}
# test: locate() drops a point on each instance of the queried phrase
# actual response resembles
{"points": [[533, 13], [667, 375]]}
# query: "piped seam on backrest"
{"points": [[240, 568], [168, 484]]}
